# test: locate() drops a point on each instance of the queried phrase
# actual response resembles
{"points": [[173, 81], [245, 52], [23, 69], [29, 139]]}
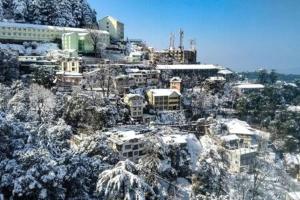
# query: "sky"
{"points": [[244, 35]]}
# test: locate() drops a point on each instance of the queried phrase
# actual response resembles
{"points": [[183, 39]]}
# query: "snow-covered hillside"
{"points": [[71, 13]]}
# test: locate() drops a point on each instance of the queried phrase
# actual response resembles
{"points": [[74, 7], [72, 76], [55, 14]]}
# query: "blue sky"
{"points": [[241, 34]]}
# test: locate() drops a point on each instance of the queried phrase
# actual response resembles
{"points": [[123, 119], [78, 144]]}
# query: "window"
{"points": [[141, 153], [141, 145], [135, 147], [125, 154], [127, 146], [73, 64], [130, 154], [136, 153]]}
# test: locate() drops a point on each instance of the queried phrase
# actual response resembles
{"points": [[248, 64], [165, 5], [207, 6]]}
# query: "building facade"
{"points": [[164, 99], [175, 83], [128, 144], [71, 38], [136, 105], [114, 27]]}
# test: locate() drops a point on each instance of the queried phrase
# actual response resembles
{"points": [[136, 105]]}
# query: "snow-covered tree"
{"points": [[42, 101], [123, 182]]}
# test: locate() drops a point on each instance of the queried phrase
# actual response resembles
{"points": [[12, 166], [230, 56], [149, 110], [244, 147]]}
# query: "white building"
{"points": [[129, 144], [71, 37], [248, 87], [113, 26]]}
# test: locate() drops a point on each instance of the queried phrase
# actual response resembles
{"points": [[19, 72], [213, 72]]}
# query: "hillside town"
{"points": [[86, 113]]}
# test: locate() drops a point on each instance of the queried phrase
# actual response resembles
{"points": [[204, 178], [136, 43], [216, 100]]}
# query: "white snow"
{"points": [[294, 108], [188, 67], [163, 92], [250, 86]]}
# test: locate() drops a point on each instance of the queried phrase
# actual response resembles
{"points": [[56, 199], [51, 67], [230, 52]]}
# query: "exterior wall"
{"points": [[136, 106], [30, 32], [114, 27], [124, 83], [70, 66], [70, 41], [175, 85], [164, 102], [132, 149]]}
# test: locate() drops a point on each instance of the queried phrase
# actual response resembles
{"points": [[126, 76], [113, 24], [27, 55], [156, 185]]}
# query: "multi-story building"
{"points": [[239, 159], [113, 26], [136, 105], [128, 144], [123, 83], [144, 77], [29, 63], [175, 83], [70, 65], [164, 99], [248, 87], [72, 38]]}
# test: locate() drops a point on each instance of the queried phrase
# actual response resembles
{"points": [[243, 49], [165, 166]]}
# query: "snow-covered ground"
{"points": [[40, 49]]}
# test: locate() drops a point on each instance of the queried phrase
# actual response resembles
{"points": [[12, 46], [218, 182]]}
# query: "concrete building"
{"points": [[164, 99], [136, 105], [128, 144], [71, 38], [82, 42], [175, 83], [70, 65], [144, 77], [113, 26], [30, 63], [239, 159], [123, 83], [248, 87]]}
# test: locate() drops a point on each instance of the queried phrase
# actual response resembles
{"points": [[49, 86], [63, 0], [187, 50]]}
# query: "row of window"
{"points": [[135, 153], [27, 34], [134, 147]]}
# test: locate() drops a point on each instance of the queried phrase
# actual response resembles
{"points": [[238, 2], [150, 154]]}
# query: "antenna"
{"points": [[172, 41], [181, 35], [193, 44]]}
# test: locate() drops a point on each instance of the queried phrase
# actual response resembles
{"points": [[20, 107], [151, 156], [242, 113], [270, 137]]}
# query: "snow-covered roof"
{"points": [[188, 67], [292, 159], [250, 86], [216, 78], [174, 139], [136, 53], [294, 195], [45, 27], [163, 92], [132, 70], [294, 108], [236, 126], [228, 138], [225, 71], [74, 74], [124, 136], [176, 79], [129, 96]]}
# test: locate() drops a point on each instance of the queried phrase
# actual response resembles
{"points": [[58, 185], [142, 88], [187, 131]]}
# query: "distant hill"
{"points": [[70, 13], [282, 77]]}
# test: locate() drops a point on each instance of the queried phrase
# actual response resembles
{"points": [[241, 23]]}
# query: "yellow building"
{"points": [[164, 99], [113, 26], [136, 105]]}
